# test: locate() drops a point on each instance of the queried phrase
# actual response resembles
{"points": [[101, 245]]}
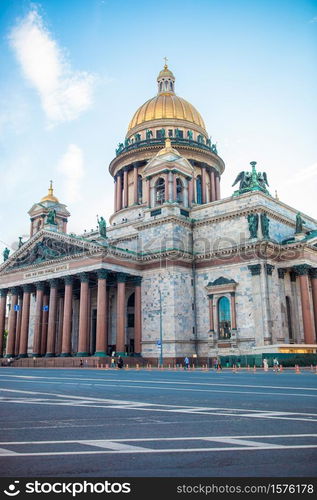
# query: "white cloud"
{"points": [[14, 115], [64, 93], [71, 166]]}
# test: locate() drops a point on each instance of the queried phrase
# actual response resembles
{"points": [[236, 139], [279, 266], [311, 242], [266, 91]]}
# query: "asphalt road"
{"points": [[142, 423]]}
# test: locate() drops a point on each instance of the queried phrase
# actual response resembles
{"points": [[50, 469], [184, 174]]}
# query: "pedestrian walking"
{"points": [[120, 362], [276, 365], [265, 365], [186, 363]]}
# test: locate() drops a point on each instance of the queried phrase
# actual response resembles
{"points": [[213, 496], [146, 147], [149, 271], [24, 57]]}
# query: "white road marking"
{"points": [[4, 452], [244, 442], [113, 445], [226, 414], [180, 438], [66, 400], [129, 386], [191, 383], [168, 450]]}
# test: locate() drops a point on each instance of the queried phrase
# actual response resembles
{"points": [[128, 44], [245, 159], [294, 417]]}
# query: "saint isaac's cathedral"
{"points": [[177, 271]]}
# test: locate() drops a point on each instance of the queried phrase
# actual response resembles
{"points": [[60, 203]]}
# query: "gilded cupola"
{"points": [[167, 108]]}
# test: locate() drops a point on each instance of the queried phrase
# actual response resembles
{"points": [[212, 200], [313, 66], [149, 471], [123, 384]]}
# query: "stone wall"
{"points": [[175, 285]]}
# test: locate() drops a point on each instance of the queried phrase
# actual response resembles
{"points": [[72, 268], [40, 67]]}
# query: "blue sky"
{"points": [[74, 72]]}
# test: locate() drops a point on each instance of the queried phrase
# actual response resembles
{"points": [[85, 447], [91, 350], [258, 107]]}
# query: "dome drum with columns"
{"points": [[165, 119]]}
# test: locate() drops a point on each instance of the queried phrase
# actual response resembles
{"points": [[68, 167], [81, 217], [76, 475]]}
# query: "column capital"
{"points": [[233, 294], [255, 269], [313, 272], [136, 280], [68, 280], [3, 292], [84, 277], [54, 283], [211, 296], [15, 290], [281, 272], [40, 285], [301, 269], [269, 269], [27, 288], [102, 274], [122, 277]]}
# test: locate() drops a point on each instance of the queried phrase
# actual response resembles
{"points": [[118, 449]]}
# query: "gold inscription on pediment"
{"points": [[41, 272]]}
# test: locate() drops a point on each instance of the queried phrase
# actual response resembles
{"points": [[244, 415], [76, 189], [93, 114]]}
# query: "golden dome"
{"points": [[50, 196], [166, 105]]}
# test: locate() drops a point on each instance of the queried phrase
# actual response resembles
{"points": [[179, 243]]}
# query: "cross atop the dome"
{"points": [[165, 59]]}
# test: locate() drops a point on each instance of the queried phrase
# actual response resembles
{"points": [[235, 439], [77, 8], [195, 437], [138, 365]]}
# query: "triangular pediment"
{"points": [[221, 281], [46, 246], [169, 161]]}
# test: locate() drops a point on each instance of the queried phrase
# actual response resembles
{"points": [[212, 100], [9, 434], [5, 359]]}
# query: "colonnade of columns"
{"points": [[121, 191], [307, 274], [214, 185], [47, 329], [307, 288], [307, 277], [121, 198]]}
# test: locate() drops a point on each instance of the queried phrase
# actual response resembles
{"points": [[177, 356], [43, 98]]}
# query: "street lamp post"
{"points": [[161, 335]]}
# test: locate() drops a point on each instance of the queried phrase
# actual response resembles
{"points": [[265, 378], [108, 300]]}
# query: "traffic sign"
{"points": [[45, 308], [17, 307], [158, 343]]}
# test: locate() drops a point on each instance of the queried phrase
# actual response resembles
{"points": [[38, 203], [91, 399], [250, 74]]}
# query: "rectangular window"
{"points": [[170, 133], [130, 320]]}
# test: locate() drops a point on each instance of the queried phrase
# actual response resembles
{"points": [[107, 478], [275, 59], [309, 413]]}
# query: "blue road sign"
{"points": [[45, 308], [17, 307], [158, 343]]}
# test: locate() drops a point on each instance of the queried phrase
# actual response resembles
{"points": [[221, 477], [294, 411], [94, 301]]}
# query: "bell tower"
{"points": [[48, 213]]}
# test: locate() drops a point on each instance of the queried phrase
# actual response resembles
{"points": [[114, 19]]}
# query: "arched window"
{"points": [[224, 318], [140, 189], [159, 191], [289, 319], [131, 300], [199, 190], [179, 191]]}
